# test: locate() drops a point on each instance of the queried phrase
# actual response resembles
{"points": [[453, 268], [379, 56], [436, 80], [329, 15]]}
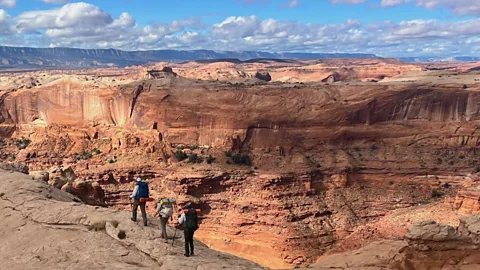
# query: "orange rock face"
{"points": [[282, 172]]}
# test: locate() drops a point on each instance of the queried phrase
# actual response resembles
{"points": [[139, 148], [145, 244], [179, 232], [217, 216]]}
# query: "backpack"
{"points": [[165, 207], [191, 219], [142, 191]]}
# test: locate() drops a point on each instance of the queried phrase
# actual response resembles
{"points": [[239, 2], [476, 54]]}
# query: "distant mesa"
{"points": [[164, 72]]}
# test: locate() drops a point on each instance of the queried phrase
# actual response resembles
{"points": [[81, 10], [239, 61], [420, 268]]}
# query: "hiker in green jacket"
{"points": [[190, 220]]}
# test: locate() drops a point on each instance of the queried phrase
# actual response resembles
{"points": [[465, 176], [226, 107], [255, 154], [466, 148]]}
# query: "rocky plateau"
{"points": [[290, 162]]}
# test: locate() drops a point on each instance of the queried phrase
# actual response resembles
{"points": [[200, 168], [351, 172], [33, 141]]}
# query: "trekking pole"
{"points": [[174, 234]]}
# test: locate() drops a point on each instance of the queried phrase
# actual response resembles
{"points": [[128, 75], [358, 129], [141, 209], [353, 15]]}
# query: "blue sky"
{"points": [[384, 27]]}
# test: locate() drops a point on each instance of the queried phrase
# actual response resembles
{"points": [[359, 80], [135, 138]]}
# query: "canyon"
{"points": [[289, 162]]}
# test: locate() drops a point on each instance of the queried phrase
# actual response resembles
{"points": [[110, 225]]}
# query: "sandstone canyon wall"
{"points": [[327, 159]]}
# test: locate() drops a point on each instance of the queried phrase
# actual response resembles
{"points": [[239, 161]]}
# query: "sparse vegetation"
{"points": [[111, 161], [436, 194], [477, 170], [461, 157], [22, 143], [122, 235], [465, 86], [96, 151], [194, 158], [180, 155], [228, 153], [86, 155], [210, 159], [242, 159], [182, 147]]}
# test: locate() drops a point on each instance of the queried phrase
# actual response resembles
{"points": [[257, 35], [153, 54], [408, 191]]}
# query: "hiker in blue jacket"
{"points": [[140, 195]]}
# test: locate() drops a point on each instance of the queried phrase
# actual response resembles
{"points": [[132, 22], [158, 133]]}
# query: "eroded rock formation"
{"points": [[428, 245], [295, 169], [44, 228]]}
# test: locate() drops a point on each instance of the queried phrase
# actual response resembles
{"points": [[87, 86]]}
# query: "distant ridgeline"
{"points": [[24, 57]]}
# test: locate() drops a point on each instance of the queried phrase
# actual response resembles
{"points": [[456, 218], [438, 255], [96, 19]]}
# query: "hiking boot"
{"points": [[132, 219], [186, 255], [192, 254]]}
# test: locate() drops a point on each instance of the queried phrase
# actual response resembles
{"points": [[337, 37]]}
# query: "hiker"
{"points": [[165, 211], [190, 220], [140, 196]]}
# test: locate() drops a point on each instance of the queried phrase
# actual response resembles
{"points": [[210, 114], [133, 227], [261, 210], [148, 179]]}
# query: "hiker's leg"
{"points": [[185, 235], [191, 242], [163, 224], [134, 210], [144, 212]]}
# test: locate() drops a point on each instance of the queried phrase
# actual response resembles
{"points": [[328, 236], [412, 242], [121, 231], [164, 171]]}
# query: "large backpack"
{"points": [[191, 222], [165, 207], [142, 191]]}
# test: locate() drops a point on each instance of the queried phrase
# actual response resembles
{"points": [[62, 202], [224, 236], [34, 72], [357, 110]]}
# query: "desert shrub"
{"points": [[23, 143], [122, 235], [436, 193], [228, 153], [111, 161], [242, 159], [86, 155], [210, 159], [465, 86], [97, 151], [477, 169], [194, 158], [180, 155]]}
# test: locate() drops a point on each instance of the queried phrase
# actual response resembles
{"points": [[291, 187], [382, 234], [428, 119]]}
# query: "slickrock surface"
{"points": [[44, 228], [428, 245]]}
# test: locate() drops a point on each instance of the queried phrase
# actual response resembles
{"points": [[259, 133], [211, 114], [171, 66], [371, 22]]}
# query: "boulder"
{"points": [[40, 175], [67, 188], [57, 182], [14, 167], [429, 235], [263, 75], [89, 192]]}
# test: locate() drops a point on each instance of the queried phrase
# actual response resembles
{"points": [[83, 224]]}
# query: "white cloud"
{"points": [[291, 4], [8, 3], [390, 3], [55, 1], [70, 15], [349, 2], [87, 26]]}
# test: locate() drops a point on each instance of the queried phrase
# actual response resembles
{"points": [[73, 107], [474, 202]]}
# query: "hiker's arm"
{"points": [[135, 191], [181, 220]]}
